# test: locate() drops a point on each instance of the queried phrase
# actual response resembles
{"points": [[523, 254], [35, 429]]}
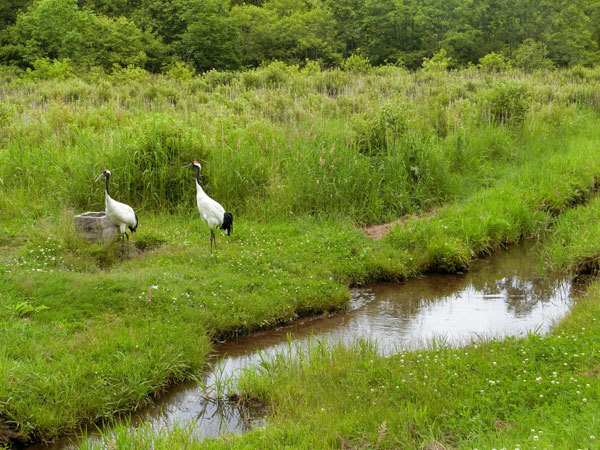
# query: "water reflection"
{"points": [[502, 295]]}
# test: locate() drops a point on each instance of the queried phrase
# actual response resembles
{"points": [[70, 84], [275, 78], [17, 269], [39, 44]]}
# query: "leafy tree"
{"points": [[348, 16], [255, 26], [227, 34], [211, 35], [286, 30], [9, 10], [115, 41], [465, 46], [381, 31], [58, 30], [568, 34], [532, 55], [111, 8], [51, 29]]}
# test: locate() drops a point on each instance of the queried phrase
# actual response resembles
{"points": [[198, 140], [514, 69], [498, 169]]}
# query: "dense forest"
{"points": [[229, 35]]}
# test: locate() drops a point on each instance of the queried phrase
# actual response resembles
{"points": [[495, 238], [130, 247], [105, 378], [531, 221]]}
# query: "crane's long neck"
{"points": [[107, 198], [199, 190]]}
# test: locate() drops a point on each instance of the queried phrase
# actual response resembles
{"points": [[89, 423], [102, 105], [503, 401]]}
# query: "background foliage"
{"points": [[224, 34]]}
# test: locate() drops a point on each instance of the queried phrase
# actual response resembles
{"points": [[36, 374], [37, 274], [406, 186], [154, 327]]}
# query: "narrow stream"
{"points": [[502, 295]]}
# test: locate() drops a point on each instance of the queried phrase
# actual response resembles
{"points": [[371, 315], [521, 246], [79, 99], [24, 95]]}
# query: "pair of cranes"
{"points": [[123, 216]]}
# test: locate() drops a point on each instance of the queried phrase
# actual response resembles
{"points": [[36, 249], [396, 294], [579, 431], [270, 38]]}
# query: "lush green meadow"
{"points": [[303, 159], [537, 392]]}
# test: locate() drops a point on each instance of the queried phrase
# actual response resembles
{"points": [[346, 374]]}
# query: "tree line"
{"points": [[236, 34]]}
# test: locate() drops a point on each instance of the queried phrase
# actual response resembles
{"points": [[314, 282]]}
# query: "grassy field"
{"points": [[472, 161], [536, 392]]}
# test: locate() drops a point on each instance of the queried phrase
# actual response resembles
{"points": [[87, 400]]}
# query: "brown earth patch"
{"points": [[592, 373], [383, 229], [434, 445], [7, 436]]}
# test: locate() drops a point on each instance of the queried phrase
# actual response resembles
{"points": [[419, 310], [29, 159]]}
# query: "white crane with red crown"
{"points": [[211, 211], [121, 215]]}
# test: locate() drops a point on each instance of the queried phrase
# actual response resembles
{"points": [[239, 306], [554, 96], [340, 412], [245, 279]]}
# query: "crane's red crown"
{"points": [[196, 162]]}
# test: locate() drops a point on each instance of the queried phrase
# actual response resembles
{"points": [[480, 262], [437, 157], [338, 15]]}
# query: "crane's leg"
{"points": [[127, 236], [122, 244], [212, 239]]}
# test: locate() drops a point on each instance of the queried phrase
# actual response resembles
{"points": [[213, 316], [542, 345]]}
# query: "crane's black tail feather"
{"points": [[227, 223], [136, 224]]}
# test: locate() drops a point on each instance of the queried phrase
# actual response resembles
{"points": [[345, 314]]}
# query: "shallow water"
{"points": [[502, 295]]}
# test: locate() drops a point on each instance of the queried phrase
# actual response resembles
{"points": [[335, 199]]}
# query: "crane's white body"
{"points": [[120, 214], [210, 210]]}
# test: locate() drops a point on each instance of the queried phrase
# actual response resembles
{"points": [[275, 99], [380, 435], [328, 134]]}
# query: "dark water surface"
{"points": [[502, 295]]}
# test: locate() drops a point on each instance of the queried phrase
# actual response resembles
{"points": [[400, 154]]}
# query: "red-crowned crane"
{"points": [[211, 211], [121, 215]]}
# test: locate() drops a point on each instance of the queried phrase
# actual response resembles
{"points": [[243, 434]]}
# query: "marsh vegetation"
{"points": [[471, 160]]}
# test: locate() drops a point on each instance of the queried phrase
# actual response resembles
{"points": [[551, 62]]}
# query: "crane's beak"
{"points": [[188, 165], [101, 175]]}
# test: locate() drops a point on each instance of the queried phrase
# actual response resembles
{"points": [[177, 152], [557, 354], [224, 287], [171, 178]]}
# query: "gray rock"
{"points": [[95, 225]]}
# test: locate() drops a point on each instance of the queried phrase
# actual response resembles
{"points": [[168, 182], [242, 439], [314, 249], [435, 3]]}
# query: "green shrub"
{"points": [[532, 55], [508, 103], [277, 73], [216, 78], [586, 95], [251, 79], [356, 64], [47, 69], [6, 113], [180, 71], [151, 93], [311, 66], [156, 91], [440, 62], [76, 90], [130, 73], [198, 85], [494, 62], [8, 73], [581, 73]]}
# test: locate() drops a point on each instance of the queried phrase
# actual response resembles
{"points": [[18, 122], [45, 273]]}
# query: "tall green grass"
{"points": [[275, 142], [525, 203], [574, 244]]}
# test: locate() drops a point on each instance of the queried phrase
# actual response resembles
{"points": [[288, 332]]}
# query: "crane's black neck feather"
{"points": [[107, 176], [197, 174]]}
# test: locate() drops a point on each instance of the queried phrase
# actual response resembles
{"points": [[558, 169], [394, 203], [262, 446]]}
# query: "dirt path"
{"points": [[383, 229]]}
